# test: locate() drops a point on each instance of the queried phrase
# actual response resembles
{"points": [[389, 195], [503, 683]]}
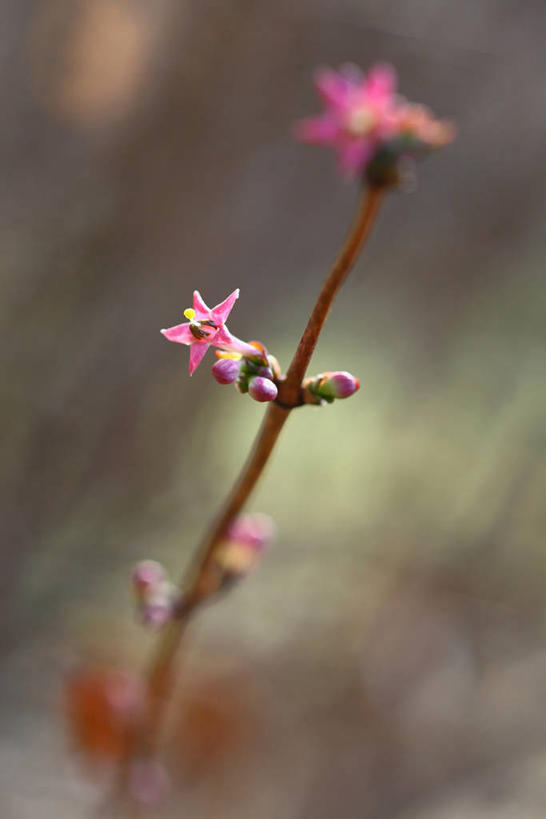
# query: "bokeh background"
{"points": [[387, 658]]}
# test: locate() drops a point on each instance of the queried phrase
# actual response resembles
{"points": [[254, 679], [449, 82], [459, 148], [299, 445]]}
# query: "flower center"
{"points": [[361, 121], [200, 330]]}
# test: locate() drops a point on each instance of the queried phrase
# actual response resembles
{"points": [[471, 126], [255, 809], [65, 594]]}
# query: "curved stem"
{"points": [[203, 579], [348, 254]]}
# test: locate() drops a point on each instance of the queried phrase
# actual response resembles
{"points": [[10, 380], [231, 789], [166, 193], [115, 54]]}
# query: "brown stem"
{"points": [[364, 219], [203, 579]]}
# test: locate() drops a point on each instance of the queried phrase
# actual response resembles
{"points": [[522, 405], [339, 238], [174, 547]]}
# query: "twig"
{"points": [[203, 579]]}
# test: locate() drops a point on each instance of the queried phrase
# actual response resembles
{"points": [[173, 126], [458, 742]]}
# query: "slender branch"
{"points": [[203, 580], [266, 439], [369, 204]]}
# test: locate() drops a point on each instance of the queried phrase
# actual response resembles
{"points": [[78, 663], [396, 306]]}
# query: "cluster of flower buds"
{"points": [[326, 387], [156, 596], [248, 365], [372, 129], [255, 375], [246, 539]]}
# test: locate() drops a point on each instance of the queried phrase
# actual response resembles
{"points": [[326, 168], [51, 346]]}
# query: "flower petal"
{"points": [[181, 333], [322, 130], [201, 309], [381, 81], [222, 310], [353, 156], [334, 87], [197, 351], [226, 341]]}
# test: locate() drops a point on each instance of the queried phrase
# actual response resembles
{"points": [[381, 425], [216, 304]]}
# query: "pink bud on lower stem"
{"points": [[147, 574], [253, 530], [157, 612], [246, 538]]}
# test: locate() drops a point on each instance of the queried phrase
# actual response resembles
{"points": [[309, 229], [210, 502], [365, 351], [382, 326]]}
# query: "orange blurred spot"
{"points": [[89, 57], [217, 721], [102, 704]]}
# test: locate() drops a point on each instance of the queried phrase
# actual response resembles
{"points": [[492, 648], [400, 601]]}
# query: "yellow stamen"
{"points": [[189, 313], [225, 354]]}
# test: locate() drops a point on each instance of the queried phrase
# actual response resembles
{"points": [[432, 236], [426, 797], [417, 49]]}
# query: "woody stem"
{"points": [[202, 580]]}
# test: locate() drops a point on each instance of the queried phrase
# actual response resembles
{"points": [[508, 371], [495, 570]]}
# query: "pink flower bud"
{"points": [[157, 608], [265, 372], [328, 386], [246, 538], [146, 575], [255, 530], [262, 389], [338, 385], [226, 370], [154, 614]]}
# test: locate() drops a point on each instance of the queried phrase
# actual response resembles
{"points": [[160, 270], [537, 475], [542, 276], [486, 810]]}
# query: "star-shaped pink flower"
{"points": [[360, 113], [364, 113], [207, 327]]}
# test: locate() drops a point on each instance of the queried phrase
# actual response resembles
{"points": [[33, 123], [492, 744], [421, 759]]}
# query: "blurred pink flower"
{"points": [[360, 113], [206, 326], [363, 113]]}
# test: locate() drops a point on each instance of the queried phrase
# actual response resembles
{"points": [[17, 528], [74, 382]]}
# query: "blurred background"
{"points": [[387, 658]]}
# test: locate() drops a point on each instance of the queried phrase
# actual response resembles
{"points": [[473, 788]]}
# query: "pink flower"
{"points": [[360, 113], [364, 113], [206, 327]]}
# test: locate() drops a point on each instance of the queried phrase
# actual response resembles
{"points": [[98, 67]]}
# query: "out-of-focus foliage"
{"points": [[387, 658]]}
